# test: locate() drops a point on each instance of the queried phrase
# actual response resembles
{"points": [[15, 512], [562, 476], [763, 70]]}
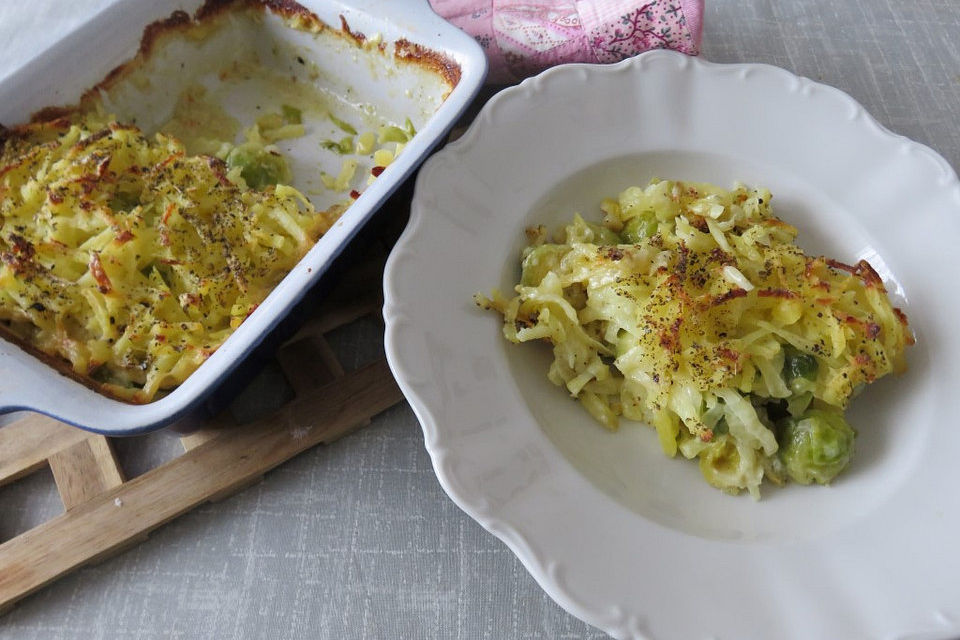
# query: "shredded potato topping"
{"points": [[691, 309], [130, 259]]}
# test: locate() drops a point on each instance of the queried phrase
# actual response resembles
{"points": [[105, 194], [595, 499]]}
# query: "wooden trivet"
{"points": [[105, 513]]}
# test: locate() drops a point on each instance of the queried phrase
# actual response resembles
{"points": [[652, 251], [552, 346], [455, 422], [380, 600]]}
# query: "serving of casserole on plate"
{"points": [[625, 538], [174, 182]]}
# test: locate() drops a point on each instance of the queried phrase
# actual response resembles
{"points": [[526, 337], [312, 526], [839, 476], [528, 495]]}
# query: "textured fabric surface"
{"points": [[357, 540], [524, 37]]}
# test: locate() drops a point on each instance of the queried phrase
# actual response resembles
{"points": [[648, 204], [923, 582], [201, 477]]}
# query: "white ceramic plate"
{"points": [[619, 535], [356, 77]]}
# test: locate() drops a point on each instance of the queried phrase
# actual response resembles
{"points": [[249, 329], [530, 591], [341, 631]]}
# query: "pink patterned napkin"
{"points": [[522, 38]]}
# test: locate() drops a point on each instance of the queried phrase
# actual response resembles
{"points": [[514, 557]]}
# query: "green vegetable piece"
{"points": [[158, 274], [390, 133], [291, 114], [258, 167], [798, 403], [332, 145], [539, 261], [365, 142], [344, 126], [346, 144], [409, 128], [798, 364], [124, 201], [639, 227], [720, 461], [270, 121], [603, 236], [816, 446], [799, 370], [721, 427]]}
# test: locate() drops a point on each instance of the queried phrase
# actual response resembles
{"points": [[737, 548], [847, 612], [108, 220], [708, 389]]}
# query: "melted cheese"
{"points": [[682, 311], [130, 259]]}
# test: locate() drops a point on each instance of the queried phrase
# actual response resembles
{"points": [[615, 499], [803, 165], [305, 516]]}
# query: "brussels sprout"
{"points": [[258, 166], [639, 227], [538, 261], [816, 446]]}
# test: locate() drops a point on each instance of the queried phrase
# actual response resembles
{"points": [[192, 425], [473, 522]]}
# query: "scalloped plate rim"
{"points": [[615, 620]]}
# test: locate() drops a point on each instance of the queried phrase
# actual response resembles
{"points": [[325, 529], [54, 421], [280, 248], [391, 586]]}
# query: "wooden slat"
{"points": [[103, 524], [334, 314], [235, 488], [85, 470], [332, 318], [213, 429], [26, 444], [308, 363], [197, 438]]}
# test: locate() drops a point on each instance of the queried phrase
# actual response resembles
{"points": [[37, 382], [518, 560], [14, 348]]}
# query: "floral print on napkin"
{"points": [[521, 38]]}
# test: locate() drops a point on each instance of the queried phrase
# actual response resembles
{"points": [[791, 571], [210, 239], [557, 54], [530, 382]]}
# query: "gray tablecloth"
{"points": [[356, 539]]}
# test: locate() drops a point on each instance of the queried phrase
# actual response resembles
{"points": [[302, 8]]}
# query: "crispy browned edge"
{"points": [[413, 53], [180, 21], [60, 365], [299, 16]]}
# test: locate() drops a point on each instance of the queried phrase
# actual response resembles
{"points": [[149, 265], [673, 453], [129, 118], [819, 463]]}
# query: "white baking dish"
{"points": [[370, 79]]}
